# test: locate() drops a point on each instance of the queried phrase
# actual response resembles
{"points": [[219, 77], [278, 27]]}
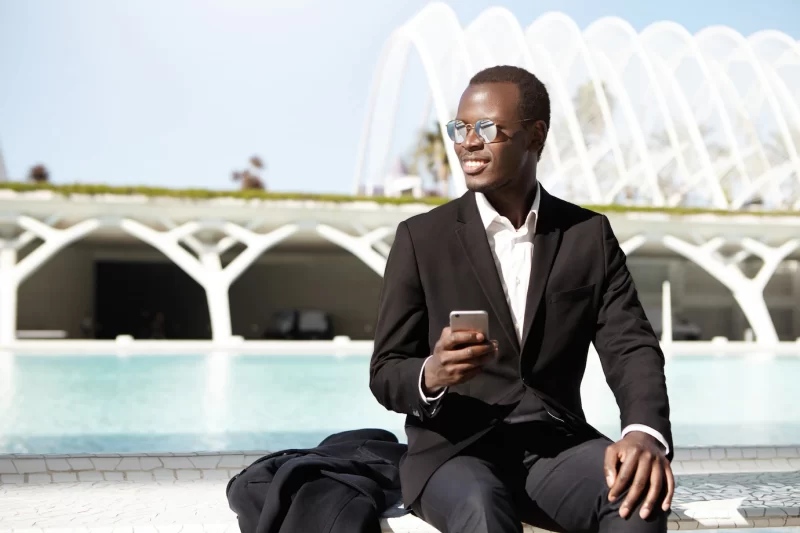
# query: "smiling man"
{"points": [[495, 426]]}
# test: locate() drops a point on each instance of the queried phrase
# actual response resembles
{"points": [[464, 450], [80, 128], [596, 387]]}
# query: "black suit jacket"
{"points": [[580, 292], [343, 485]]}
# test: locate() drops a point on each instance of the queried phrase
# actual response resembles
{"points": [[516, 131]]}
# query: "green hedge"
{"points": [[204, 194]]}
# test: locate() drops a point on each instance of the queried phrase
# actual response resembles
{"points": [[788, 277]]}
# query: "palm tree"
{"points": [[250, 178], [38, 174], [431, 153]]}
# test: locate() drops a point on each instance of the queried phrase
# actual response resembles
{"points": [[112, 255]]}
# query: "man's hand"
{"points": [[644, 464], [457, 357]]}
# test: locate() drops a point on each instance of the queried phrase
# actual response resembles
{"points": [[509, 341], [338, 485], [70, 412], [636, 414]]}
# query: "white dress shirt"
{"points": [[512, 250]]}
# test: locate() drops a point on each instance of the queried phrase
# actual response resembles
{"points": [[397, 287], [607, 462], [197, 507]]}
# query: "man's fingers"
{"points": [[643, 467], [624, 476], [456, 338], [670, 485], [656, 482], [610, 465], [470, 354]]}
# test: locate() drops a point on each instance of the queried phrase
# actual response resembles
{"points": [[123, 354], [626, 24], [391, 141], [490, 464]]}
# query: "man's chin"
{"points": [[483, 184]]}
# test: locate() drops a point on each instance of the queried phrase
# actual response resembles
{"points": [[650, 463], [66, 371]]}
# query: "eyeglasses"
{"points": [[485, 128]]}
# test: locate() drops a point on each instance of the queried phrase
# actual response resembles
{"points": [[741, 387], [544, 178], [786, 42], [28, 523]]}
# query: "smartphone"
{"points": [[470, 321]]}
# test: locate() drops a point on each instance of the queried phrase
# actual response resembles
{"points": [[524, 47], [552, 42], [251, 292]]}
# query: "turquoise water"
{"points": [[95, 404]]}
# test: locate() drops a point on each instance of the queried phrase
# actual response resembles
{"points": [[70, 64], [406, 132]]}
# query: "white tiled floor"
{"points": [[186, 506], [153, 506]]}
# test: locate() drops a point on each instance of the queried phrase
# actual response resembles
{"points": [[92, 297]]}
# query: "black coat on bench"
{"points": [[342, 486]]}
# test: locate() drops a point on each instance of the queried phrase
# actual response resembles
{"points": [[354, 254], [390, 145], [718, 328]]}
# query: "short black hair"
{"points": [[534, 101]]}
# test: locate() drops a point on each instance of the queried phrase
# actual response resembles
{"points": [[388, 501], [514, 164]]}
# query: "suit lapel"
{"points": [[472, 236], [545, 245]]}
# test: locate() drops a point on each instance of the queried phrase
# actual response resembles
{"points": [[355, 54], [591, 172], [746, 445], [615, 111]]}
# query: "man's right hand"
{"points": [[457, 357]]}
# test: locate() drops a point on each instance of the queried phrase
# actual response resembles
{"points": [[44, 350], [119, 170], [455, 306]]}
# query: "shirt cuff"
{"points": [[428, 399], [650, 431]]}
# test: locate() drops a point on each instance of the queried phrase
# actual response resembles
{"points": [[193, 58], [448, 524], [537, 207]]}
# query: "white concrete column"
{"points": [[13, 272], [666, 313], [207, 269], [796, 310], [748, 293], [677, 284], [8, 294], [219, 306]]}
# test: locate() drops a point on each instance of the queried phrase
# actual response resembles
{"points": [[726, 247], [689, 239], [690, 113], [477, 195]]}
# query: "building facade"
{"points": [[218, 268]]}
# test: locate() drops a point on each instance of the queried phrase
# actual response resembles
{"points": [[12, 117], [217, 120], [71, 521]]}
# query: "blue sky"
{"points": [[178, 93]]}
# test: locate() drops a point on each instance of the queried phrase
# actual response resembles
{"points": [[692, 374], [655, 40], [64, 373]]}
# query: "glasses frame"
{"points": [[477, 127]]}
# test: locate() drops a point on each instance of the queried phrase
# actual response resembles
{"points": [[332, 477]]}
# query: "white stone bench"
{"points": [[736, 487], [706, 501]]}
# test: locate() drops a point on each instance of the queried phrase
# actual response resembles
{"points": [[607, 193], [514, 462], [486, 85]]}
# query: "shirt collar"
{"points": [[489, 214]]}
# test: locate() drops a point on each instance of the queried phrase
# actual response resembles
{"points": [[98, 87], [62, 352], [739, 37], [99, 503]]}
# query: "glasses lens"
{"points": [[456, 130], [486, 129]]}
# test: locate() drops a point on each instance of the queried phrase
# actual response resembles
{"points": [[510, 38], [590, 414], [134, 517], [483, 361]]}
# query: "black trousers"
{"points": [[537, 473]]}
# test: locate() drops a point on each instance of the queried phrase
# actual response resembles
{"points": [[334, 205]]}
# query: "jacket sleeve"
{"points": [[629, 350], [401, 333]]}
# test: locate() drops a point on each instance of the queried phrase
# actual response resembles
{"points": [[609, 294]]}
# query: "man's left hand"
{"points": [[644, 465]]}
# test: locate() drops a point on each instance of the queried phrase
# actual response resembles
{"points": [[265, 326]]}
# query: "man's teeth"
{"points": [[474, 164]]}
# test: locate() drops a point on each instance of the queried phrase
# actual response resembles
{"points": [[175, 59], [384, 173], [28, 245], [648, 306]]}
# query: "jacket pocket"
{"points": [[572, 295]]}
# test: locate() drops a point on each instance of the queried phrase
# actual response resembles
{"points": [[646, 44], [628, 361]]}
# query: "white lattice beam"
{"points": [[632, 244], [167, 242], [360, 247], [8, 294], [376, 237], [206, 269], [256, 245], [748, 293], [14, 272]]}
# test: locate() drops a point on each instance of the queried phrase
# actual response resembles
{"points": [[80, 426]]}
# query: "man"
{"points": [[495, 428]]}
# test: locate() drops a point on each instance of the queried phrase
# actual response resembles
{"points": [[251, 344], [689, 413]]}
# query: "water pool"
{"points": [[97, 404]]}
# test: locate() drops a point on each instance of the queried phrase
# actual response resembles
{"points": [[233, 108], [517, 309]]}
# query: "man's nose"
{"points": [[472, 141]]}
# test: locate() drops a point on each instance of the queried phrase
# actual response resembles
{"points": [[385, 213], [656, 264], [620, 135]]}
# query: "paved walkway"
{"points": [[702, 501], [162, 506]]}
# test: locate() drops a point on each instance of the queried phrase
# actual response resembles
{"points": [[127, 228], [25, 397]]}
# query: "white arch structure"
{"points": [[705, 120]]}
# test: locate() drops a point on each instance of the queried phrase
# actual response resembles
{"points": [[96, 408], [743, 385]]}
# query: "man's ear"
{"points": [[538, 136]]}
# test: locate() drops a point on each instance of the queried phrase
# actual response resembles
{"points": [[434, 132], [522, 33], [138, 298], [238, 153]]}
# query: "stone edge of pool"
{"points": [[143, 467]]}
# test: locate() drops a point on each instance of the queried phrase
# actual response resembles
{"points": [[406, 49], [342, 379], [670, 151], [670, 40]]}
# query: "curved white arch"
{"points": [[372, 97], [557, 88], [764, 84], [791, 45], [682, 33], [682, 82], [718, 80], [485, 18], [597, 85], [638, 49], [772, 175], [640, 145], [402, 39]]}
